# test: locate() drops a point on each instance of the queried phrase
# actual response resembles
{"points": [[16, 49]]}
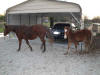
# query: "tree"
{"points": [[96, 19], [2, 17], [87, 21]]}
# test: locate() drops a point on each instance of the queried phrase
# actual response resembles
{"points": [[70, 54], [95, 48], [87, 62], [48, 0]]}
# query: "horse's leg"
{"points": [[20, 41], [44, 47], [81, 47], [86, 47], [88, 42], [75, 43], [27, 42], [69, 44], [43, 44]]}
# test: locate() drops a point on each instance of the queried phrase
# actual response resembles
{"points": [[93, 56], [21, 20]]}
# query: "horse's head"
{"points": [[6, 30], [66, 31]]}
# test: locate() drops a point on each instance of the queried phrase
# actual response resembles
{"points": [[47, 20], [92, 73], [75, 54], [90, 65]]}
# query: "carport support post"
{"points": [[51, 22], [29, 19], [20, 19], [7, 18]]}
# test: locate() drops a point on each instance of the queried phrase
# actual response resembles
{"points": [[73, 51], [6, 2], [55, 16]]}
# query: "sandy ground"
{"points": [[52, 62]]}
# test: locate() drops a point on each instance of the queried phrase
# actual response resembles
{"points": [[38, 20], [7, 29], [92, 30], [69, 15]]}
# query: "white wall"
{"points": [[23, 19], [13, 20], [33, 19]]}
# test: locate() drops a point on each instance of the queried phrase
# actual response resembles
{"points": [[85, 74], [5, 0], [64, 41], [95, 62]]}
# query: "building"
{"points": [[32, 12]]}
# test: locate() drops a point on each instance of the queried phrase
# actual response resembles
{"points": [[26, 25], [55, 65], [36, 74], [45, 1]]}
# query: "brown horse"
{"points": [[75, 37], [29, 33]]}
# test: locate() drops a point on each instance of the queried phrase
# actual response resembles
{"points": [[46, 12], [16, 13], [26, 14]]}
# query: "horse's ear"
{"points": [[66, 27]]}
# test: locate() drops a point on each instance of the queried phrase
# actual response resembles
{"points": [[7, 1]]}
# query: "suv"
{"points": [[58, 30]]}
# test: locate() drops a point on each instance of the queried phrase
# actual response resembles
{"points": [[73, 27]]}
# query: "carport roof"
{"points": [[44, 6]]}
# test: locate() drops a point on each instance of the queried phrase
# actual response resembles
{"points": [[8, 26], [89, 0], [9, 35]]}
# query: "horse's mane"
{"points": [[12, 27]]}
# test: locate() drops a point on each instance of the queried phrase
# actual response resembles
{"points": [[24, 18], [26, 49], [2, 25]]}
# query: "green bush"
{"points": [[1, 27], [98, 34], [2, 18], [1, 30]]}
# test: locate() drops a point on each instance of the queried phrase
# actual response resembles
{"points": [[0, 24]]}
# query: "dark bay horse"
{"points": [[29, 33], [75, 37]]}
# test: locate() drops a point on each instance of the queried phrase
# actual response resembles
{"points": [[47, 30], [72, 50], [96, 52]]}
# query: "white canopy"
{"points": [[44, 6]]}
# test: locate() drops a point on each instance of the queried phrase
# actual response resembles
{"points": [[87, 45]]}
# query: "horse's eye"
{"points": [[65, 30]]}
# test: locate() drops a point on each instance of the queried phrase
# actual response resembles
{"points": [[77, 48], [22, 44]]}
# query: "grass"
{"points": [[1, 30], [1, 27]]}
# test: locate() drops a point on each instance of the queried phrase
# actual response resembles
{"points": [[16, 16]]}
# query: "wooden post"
{"points": [[51, 22], [20, 18], [29, 19]]}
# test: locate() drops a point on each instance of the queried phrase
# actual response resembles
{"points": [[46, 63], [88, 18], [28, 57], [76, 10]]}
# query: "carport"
{"points": [[32, 12]]}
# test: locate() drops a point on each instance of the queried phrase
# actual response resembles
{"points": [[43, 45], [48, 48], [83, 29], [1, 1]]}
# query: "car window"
{"points": [[60, 26]]}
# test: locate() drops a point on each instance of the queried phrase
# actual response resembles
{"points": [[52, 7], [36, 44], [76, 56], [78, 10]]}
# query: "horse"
{"points": [[75, 37], [30, 33]]}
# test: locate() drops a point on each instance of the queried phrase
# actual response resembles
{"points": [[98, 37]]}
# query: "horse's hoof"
{"points": [[66, 53], [87, 52], [80, 52], [18, 50], [31, 50], [43, 51]]}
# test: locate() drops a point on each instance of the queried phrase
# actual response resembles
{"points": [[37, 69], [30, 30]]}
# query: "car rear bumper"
{"points": [[60, 37]]}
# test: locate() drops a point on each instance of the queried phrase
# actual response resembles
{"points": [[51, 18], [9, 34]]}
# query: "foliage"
{"points": [[1, 27], [2, 23], [96, 19], [1, 30], [88, 21], [97, 34], [2, 18]]}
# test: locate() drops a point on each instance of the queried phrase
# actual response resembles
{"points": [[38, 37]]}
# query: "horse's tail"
{"points": [[49, 35], [90, 40], [90, 29], [90, 35]]}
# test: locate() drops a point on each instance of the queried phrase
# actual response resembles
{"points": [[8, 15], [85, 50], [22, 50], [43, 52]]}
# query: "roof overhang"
{"points": [[44, 6]]}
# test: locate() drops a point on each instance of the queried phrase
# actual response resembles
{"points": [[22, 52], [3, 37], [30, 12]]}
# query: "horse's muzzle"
{"points": [[65, 36]]}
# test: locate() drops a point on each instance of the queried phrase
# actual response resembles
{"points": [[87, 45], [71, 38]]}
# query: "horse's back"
{"points": [[87, 32], [83, 34], [40, 28]]}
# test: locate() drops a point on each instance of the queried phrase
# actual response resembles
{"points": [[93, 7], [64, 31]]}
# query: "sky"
{"points": [[90, 8]]}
